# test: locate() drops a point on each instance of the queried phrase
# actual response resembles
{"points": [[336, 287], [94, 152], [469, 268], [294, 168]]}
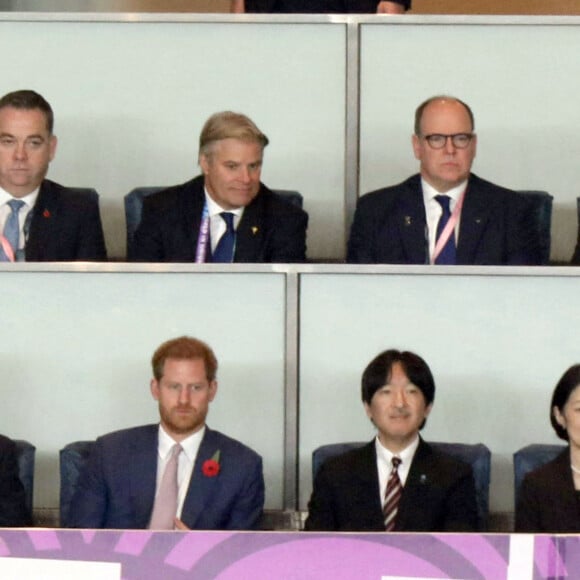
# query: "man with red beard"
{"points": [[178, 474]]}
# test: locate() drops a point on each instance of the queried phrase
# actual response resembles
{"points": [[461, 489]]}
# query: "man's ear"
{"points": [[154, 385]]}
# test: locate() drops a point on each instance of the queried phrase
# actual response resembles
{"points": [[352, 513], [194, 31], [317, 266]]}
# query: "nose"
{"points": [[449, 147], [20, 151], [184, 395], [245, 175], [400, 399]]}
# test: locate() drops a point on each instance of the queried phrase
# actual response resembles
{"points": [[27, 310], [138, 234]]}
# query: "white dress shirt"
{"points": [[433, 210], [385, 466], [29, 201], [190, 446]]}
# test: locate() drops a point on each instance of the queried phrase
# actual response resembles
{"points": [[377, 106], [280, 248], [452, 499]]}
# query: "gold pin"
{"points": [[254, 230], [408, 220]]}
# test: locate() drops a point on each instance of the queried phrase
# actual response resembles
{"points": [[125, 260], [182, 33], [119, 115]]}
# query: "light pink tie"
{"points": [[165, 506], [392, 496]]}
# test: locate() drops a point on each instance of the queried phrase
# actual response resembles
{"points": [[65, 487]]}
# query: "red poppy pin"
{"points": [[46, 213], [211, 467]]}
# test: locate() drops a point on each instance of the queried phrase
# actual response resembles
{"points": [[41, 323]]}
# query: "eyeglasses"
{"points": [[459, 140]]}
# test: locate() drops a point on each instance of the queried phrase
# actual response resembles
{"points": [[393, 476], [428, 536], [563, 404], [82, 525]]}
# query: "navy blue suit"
{"points": [[271, 229], [390, 227], [439, 494], [13, 511], [65, 226], [117, 488]]}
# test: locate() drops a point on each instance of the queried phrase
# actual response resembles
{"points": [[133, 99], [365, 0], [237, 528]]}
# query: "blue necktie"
{"points": [[224, 251], [11, 227], [448, 254]]}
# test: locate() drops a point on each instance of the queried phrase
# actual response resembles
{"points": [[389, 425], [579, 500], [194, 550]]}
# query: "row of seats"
{"points": [[74, 456], [540, 202]]}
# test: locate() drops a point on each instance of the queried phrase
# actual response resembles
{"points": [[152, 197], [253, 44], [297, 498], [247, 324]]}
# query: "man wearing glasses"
{"points": [[444, 215]]}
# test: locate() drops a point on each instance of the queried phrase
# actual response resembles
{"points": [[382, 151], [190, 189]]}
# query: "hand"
{"points": [[386, 7], [179, 525], [237, 6]]}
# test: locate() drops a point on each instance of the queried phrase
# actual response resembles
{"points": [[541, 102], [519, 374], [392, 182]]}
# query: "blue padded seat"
{"points": [[540, 216], [73, 458], [25, 455], [531, 457], [134, 207], [476, 455]]}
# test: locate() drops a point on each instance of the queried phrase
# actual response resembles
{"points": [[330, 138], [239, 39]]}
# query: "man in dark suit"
{"points": [[215, 482], [227, 214], [40, 220], [446, 214], [397, 482], [321, 6], [13, 510]]}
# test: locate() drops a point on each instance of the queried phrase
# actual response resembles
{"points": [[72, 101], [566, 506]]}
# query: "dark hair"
{"points": [[29, 100], [184, 348], [378, 373], [421, 109], [569, 381]]}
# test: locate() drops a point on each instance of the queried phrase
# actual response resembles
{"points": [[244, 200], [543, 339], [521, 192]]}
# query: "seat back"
{"points": [[73, 458], [540, 216], [25, 455], [134, 208], [478, 456], [529, 458]]}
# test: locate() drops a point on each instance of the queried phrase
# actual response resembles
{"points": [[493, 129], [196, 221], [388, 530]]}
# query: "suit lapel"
{"points": [[200, 486], [420, 474], [250, 232], [192, 211], [475, 215], [41, 236], [412, 222], [142, 468]]}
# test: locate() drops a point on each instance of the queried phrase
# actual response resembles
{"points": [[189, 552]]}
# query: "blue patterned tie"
{"points": [[12, 227], [448, 254], [224, 251]]}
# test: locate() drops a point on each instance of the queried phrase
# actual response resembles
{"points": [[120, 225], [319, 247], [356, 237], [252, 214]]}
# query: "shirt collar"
{"points": [[29, 199], [429, 192], [406, 455], [214, 208], [190, 444]]}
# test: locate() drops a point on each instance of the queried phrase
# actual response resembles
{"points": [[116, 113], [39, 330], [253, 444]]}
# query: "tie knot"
{"points": [[176, 450], [15, 205], [444, 201], [228, 217], [396, 461]]}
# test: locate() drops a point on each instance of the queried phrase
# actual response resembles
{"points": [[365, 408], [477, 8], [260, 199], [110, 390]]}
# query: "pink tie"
{"points": [[392, 496], [165, 506]]}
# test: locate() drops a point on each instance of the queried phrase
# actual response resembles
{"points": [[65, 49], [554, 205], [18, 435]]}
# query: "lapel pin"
{"points": [[254, 230], [477, 220], [423, 479], [408, 220], [46, 213]]}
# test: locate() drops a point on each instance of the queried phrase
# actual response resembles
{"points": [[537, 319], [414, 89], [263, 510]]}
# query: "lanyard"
{"points": [[203, 237], [449, 227]]}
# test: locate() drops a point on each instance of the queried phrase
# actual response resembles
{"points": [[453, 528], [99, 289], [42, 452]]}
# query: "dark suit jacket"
{"points": [[439, 494], [271, 229], [117, 488], [390, 227], [66, 226], [317, 6], [13, 510], [548, 502]]}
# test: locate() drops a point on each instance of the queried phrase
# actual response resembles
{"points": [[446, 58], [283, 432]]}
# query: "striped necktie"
{"points": [[448, 254], [392, 495]]}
